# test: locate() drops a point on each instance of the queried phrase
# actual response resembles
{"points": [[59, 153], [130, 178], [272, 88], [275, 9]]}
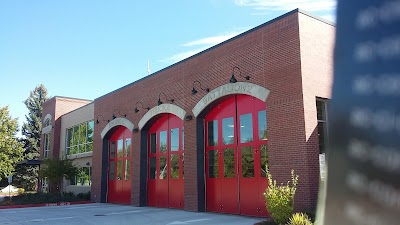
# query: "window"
{"points": [[47, 123], [84, 177], [322, 123], [79, 139], [46, 147], [45, 185]]}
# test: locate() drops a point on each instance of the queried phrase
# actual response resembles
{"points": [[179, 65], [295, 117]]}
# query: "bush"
{"points": [[280, 198], [299, 219], [21, 191], [38, 198]]}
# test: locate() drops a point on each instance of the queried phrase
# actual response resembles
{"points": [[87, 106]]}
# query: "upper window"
{"points": [[46, 147], [47, 122], [322, 123], [79, 139]]}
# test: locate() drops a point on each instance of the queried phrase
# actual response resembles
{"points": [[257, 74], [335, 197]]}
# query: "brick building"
{"points": [[198, 134]]}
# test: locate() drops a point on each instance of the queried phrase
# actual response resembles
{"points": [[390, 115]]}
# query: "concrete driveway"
{"points": [[109, 214]]}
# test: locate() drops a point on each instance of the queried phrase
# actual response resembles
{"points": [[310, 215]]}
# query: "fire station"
{"points": [[199, 134]]}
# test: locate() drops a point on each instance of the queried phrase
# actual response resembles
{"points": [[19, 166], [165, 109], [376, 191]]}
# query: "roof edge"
{"points": [[224, 42], [316, 17], [208, 49]]}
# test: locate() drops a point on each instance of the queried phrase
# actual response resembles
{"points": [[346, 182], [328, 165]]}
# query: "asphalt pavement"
{"points": [[110, 214]]}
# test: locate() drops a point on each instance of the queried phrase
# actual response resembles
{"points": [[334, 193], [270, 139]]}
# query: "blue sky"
{"points": [[85, 49]]}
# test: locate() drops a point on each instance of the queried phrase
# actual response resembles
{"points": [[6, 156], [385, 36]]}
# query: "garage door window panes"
{"points": [[79, 139]]}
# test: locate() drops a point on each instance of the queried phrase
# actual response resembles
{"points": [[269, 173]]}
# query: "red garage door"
{"points": [[236, 155], [120, 167], [165, 177]]}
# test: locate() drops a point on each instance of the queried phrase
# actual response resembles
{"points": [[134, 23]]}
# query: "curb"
{"points": [[44, 204]]}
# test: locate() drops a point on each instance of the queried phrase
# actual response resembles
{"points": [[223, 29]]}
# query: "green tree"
{"points": [[31, 130], [11, 150], [55, 170]]}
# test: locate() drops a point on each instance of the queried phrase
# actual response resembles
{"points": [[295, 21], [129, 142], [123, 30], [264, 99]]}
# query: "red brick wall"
{"points": [[49, 107], [269, 54], [316, 44]]}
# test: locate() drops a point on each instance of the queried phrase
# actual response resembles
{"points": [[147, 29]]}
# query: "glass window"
{"points": [[228, 131], [174, 166], [89, 147], [322, 124], [163, 168], [112, 150], [46, 148], [69, 137], [174, 139], [163, 141], [90, 131], [45, 186], [112, 170], [321, 137], [76, 137], [321, 115], [120, 147], [119, 170], [153, 143], [82, 133], [79, 138], [127, 147], [213, 164], [127, 173], [47, 122], [246, 128], [247, 161], [264, 160], [229, 163], [153, 171], [212, 127], [262, 125], [83, 177]]}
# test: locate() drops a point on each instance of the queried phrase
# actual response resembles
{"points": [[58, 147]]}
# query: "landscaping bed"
{"points": [[44, 198]]}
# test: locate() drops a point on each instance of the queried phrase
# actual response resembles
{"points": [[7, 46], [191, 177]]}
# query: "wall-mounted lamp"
{"points": [[135, 130], [113, 116], [102, 119], [233, 79], [194, 91], [159, 100], [188, 117], [88, 164], [136, 108]]}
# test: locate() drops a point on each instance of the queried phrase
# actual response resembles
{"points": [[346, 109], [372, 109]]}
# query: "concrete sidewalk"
{"points": [[109, 214]]}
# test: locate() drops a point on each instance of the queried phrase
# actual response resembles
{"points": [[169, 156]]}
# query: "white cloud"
{"points": [[183, 55], [286, 5], [211, 40], [201, 45]]}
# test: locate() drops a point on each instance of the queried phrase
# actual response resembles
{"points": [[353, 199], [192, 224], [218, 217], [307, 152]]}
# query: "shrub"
{"points": [[21, 191], [280, 198], [299, 219]]}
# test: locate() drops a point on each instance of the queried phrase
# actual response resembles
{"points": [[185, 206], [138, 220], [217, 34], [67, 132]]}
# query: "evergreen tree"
{"points": [[11, 150], [27, 175]]}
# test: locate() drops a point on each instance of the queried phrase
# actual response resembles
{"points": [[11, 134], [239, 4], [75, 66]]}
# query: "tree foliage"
{"points": [[56, 170], [31, 130], [11, 150]]}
